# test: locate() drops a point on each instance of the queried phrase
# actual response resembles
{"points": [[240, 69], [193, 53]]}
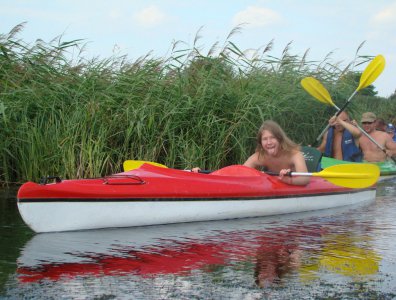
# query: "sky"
{"points": [[136, 28]]}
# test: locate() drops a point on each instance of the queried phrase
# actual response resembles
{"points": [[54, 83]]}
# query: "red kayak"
{"points": [[153, 195]]}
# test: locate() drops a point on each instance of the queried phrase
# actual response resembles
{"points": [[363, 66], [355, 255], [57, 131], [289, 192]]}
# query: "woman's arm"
{"points": [[253, 161]]}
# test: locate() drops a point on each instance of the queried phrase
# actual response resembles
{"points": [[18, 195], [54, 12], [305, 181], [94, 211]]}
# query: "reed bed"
{"points": [[77, 118]]}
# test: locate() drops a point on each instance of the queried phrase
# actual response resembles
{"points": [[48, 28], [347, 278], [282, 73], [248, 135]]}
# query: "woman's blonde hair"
{"points": [[286, 144]]}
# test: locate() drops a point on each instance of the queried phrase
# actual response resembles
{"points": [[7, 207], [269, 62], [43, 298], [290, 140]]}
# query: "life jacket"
{"points": [[350, 152]]}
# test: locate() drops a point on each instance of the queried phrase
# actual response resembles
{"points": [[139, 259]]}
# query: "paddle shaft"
{"points": [[340, 110], [291, 174], [339, 174], [330, 175]]}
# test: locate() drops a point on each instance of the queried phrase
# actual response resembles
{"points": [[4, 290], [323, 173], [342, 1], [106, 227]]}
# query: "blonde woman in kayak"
{"points": [[275, 152]]}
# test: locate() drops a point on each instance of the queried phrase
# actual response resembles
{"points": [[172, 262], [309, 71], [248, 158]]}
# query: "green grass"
{"points": [[82, 118]]}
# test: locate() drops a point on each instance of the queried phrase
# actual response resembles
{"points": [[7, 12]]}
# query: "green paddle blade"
{"points": [[316, 90], [353, 175], [372, 71], [134, 164]]}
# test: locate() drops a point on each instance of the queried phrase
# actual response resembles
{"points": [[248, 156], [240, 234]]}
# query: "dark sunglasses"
{"points": [[367, 123]]}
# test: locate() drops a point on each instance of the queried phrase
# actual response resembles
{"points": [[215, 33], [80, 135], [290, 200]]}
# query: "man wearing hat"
{"points": [[371, 152]]}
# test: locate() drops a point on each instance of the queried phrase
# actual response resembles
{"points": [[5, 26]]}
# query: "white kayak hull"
{"points": [[70, 215]]}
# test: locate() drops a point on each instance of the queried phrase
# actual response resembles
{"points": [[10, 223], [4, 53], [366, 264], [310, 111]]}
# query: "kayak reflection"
{"points": [[270, 248]]}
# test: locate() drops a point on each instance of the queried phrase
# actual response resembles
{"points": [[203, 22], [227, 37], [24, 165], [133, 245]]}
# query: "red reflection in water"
{"points": [[178, 260], [272, 251]]}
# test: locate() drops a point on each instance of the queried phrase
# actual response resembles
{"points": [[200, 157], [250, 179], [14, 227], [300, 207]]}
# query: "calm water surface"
{"points": [[347, 253]]}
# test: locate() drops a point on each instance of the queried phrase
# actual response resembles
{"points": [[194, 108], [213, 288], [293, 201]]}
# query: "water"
{"points": [[346, 253]]}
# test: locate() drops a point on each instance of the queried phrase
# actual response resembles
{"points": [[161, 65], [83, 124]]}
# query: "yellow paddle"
{"points": [[319, 92], [371, 73], [134, 164], [354, 175], [350, 175], [358, 175]]}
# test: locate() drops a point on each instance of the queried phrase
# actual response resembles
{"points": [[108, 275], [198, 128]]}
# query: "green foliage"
{"points": [[82, 118], [353, 78]]}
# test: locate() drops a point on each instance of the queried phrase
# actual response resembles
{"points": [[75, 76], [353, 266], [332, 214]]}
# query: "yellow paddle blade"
{"points": [[317, 90], [134, 164], [353, 175], [372, 71]]}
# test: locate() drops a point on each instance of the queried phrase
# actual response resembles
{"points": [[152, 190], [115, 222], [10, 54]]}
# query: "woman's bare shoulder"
{"points": [[296, 152]]}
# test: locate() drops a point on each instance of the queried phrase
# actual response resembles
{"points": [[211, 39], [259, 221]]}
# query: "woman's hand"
{"points": [[283, 173]]}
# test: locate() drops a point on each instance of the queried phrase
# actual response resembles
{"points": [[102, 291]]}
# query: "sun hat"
{"points": [[368, 117]]}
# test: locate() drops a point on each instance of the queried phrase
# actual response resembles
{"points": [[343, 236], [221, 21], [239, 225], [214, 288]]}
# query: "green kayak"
{"points": [[387, 167]]}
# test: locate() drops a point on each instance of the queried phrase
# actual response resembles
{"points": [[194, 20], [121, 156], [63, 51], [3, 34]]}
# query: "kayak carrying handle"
{"points": [[44, 180], [117, 180]]}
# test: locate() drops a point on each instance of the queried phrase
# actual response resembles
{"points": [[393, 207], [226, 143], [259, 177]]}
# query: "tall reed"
{"points": [[76, 118]]}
